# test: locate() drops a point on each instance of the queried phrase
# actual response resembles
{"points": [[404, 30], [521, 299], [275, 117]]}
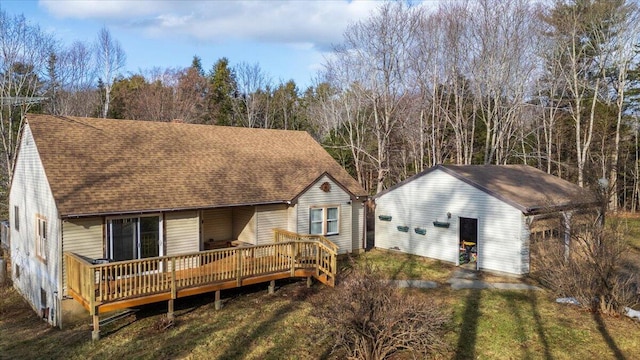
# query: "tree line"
{"points": [[550, 84]]}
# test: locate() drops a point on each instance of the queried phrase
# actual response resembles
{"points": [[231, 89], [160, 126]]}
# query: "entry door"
{"points": [[469, 230], [134, 238], [469, 233]]}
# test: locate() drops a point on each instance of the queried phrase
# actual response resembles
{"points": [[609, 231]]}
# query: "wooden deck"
{"points": [[106, 287]]}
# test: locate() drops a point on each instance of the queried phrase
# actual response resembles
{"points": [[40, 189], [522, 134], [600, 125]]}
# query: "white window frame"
{"points": [[325, 220], [42, 241]]}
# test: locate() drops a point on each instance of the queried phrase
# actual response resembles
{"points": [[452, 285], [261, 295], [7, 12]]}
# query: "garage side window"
{"points": [[16, 218], [42, 243], [324, 220]]}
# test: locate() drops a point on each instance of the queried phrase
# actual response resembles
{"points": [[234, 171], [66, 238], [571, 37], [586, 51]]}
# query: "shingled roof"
{"points": [[524, 187], [105, 166]]}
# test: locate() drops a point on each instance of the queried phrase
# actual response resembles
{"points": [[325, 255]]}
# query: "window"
{"points": [[324, 220], [134, 238], [16, 217], [42, 245]]}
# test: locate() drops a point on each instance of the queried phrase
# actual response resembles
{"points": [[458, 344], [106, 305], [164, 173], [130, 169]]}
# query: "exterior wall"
{"points": [[426, 199], [244, 224], [314, 196], [84, 237], [270, 217], [39, 281], [293, 218], [182, 232], [217, 224]]}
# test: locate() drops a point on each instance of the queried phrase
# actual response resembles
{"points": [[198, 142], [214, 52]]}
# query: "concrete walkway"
{"points": [[464, 279]]}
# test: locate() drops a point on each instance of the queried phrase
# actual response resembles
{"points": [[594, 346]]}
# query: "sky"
{"points": [[288, 39]]}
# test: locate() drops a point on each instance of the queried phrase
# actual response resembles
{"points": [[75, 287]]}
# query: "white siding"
{"points": [[182, 232], [270, 217], [217, 224], [30, 191], [428, 198], [293, 218], [83, 237], [244, 224], [336, 197]]}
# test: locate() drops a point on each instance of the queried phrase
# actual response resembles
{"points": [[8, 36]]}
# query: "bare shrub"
{"points": [[372, 319], [594, 273]]}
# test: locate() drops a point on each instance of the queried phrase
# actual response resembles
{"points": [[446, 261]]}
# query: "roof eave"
{"points": [[162, 210]]}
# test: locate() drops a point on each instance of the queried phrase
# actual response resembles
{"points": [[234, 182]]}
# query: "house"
{"points": [[483, 214], [97, 202]]}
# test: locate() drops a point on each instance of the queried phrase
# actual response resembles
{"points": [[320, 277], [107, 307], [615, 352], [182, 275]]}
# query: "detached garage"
{"points": [[482, 214]]}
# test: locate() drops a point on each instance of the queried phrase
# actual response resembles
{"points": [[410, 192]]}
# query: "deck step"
{"points": [[118, 316]]}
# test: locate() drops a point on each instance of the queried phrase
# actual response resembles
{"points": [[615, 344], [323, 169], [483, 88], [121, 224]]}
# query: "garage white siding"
{"points": [[428, 198], [182, 232], [315, 196]]}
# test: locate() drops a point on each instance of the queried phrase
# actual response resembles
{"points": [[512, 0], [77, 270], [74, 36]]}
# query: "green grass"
{"points": [[486, 324], [400, 266]]}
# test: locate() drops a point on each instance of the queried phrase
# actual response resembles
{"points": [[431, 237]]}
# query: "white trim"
{"points": [[325, 219]]}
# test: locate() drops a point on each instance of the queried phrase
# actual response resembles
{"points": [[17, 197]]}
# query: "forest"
{"points": [[552, 84]]}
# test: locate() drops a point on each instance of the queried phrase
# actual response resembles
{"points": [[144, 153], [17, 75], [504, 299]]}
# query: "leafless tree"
{"points": [[252, 84], [24, 50], [624, 47], [76, 74], [373, 60], [110, 60], [500, 44]]}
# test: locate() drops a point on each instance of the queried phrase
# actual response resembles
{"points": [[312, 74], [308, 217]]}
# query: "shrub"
{"points": [[594, 272], [372, 319]]}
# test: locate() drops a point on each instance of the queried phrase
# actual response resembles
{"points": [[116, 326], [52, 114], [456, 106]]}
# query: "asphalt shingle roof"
{"points": [[104, 166], [524, 187], [529, 189]]}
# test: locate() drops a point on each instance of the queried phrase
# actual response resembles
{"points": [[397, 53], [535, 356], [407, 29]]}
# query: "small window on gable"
{"points": [[16, 217], [324, 220], [42, 242]]}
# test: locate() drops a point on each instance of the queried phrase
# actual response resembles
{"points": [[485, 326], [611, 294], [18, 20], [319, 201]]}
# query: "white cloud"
{"points": [[320, 23]]}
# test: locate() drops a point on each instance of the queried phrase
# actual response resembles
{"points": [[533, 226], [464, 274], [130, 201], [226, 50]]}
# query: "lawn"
{"points": [[486, 324]]}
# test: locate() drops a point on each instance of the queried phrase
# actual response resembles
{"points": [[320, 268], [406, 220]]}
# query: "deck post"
{"points": [[272, 286], [309, 281], [95, 334], [217, 304], [170, 309]]}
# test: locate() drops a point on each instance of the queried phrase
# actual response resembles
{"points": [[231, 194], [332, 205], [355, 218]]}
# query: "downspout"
{"points": [[57, 295], [364, 225]]}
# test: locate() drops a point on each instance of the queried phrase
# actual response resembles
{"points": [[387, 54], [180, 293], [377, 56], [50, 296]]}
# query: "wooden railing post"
{"points": [[292, 256], [239, 266], [318, 257]]}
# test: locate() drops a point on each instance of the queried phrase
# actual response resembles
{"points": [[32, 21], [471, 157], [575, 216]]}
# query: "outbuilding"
{"points": [[483, 214]]}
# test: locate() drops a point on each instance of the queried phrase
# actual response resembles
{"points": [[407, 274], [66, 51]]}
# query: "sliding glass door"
{"points": [[134, 238]]}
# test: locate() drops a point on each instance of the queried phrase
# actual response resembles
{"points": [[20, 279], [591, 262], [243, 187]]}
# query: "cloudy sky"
{"points": [[287, 38]]}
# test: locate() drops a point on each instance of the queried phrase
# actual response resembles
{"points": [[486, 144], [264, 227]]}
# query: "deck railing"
{"points": [[97, 284], [284, 235]]}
